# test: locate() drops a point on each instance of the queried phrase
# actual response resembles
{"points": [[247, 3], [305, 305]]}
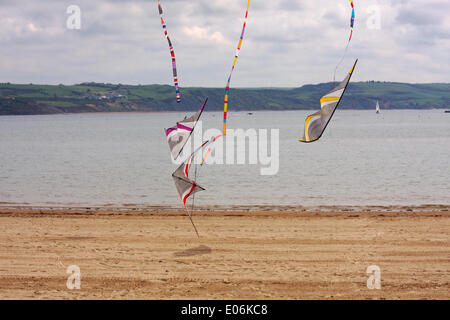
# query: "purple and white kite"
{"points": [[178, 135]]}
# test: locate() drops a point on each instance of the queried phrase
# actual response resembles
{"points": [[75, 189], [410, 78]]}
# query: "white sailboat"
{"points": [[377, 108]]}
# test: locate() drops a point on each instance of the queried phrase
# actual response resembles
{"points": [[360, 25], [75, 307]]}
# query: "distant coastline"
{"points": [[29, 99]]}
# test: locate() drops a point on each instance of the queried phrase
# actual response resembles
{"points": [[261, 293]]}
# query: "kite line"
{"points": [[172, 53], [227, 89], [352, 23], [208, 151]]}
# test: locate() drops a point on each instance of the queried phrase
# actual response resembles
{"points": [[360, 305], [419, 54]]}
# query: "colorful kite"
{"points": [[352, 23], [172, 53], [352, 20], [178, 135], [227, 89], [184, 184], [316, 123]]}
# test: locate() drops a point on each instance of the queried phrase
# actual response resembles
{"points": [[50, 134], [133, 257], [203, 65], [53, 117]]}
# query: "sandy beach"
{"points": [[154, 254]]}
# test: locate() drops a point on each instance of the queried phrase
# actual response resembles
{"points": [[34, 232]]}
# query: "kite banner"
{"points": [[178, 136], [172, 53], [227, 89], [316, 123], [352, 20]]}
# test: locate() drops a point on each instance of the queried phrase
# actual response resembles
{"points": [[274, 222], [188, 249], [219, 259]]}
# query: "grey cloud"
{"points": [[287, 42]]}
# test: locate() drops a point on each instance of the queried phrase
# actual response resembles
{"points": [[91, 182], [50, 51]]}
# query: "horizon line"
{"points": [[206, 87]]}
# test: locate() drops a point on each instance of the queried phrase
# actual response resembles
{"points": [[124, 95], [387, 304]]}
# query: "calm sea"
{"points": [[395, 158]]}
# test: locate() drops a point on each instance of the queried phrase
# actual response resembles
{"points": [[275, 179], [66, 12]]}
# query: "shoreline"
{"points": [[208, 111], [215, 209]]}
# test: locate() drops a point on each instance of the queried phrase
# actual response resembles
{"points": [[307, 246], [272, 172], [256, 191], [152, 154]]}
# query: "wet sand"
{"points": [[138, 254]]}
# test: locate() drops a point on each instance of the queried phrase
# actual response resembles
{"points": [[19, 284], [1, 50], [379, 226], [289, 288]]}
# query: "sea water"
{"points": [[398, 157]]}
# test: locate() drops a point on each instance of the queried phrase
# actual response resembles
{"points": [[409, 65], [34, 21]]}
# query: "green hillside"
{"points": [[20, 99]]}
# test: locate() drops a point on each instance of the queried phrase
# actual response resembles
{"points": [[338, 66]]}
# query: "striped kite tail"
{"points": [[227, 89], [172, 54]]}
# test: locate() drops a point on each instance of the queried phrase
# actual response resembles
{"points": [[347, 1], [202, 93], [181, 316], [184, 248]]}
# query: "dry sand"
{"points": [[241, 255]]}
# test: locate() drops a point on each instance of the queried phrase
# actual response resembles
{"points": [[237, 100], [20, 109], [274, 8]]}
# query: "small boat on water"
{"points": [[447, 111], [377, 108]]}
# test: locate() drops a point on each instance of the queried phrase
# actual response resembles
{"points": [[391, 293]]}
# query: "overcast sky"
{"points": [[287, 43]]}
